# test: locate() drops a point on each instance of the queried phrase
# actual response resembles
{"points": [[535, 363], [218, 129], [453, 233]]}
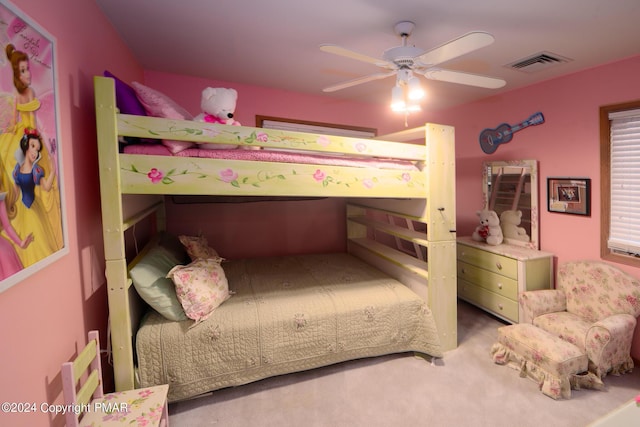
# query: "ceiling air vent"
{"points": [[538, 62]]}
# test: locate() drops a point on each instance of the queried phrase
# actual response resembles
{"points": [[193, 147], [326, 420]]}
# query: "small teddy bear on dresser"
{"points": [[489, 229]]}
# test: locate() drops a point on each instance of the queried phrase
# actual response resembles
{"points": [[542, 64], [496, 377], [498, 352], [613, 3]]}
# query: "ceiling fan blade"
{"points": [[358, 81], [464, 78], [337, 50], [456, 47]]}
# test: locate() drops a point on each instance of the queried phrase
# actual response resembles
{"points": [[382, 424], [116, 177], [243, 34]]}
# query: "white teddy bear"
{"points": [[218, 105], [509, 221], [489, 229]]}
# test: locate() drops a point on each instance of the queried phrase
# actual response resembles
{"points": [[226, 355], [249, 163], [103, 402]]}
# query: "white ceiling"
{"points": [[275, 43]]}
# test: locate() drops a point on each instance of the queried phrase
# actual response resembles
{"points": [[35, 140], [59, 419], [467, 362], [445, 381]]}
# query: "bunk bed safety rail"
{"points": [[199, 132]]}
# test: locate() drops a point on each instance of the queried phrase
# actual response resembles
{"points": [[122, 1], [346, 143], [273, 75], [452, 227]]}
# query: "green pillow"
{"points": [[149, 279]]}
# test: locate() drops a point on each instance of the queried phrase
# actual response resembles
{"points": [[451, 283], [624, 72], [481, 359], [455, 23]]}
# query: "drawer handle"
{"points": [[499, 285], [500, 307], [463, 271], [499, 266]]}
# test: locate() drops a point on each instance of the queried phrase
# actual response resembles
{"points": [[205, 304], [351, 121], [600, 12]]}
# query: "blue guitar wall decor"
{"points": [[490, 139]]}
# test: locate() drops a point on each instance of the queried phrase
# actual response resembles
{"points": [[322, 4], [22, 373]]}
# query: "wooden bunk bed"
{"points": [[423, 199]]}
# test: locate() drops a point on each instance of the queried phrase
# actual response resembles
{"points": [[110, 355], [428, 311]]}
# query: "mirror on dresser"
{"points": [[513, 185]]}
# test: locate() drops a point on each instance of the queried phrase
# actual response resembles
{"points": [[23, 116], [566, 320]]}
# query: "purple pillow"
{"points": [[126, 98]]}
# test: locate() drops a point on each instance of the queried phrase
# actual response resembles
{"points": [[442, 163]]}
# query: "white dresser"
{"points": [[491, 277]]}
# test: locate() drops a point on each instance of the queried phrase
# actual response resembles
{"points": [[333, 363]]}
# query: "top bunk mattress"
{"points": [[287, 314]]}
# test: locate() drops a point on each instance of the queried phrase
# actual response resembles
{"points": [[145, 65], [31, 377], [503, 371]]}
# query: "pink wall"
{"points": [[567, 144], [45, 317], [260, 229]]}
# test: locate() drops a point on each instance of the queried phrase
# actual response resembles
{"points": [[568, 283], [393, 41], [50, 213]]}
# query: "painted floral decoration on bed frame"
{"points": [[232, 175]]}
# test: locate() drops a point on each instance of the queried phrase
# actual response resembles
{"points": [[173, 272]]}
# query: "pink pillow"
{"points": [[198, 248], [200, 287], [157, 104], [176, 146]]}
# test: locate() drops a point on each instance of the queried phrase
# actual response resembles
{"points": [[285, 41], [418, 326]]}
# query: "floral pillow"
{"points": [[201, 287], [198, 248]]}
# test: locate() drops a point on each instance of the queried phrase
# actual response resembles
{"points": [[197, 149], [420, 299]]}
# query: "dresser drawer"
{"points": [[493, 262], [490, 301], [493, 282]]}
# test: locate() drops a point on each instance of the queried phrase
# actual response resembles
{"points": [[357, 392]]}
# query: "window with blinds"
{"points": [[624, 218], [314, 127]]}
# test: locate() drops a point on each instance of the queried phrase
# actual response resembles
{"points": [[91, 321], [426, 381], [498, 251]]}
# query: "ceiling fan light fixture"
{"points": [[397, 98], [405, 60], [407, 108], [415, 89], [411, 107], [399, 103]]}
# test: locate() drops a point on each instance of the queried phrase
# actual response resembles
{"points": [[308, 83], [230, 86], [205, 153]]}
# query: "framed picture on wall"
{"points": [[32, 216], [569, 195]]}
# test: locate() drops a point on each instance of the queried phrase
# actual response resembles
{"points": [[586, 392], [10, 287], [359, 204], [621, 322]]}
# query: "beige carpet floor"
{"points": [[465, 388]]}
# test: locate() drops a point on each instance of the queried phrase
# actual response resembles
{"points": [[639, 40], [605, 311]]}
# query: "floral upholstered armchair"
{"points": [[595, 307]]}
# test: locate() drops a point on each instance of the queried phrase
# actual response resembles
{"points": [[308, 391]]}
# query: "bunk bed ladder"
{"points": [[400, 245], [516, 198], [495, 190]]}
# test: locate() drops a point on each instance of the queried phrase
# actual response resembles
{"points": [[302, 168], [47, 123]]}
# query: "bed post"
{"points": [[113, 234], [441, 234], [435, 279]]}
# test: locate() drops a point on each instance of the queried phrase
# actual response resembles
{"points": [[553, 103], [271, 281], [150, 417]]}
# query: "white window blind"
{"points": [[624, 232]]}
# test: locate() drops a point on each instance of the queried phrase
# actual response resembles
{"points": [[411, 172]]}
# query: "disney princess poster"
{"points": [[32, 220]]}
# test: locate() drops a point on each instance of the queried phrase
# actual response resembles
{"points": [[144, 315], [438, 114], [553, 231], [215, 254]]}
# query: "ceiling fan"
{"points": [[405, 60]]}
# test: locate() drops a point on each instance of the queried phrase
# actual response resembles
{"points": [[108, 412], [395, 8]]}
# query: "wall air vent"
{"points": [[538, 62]]}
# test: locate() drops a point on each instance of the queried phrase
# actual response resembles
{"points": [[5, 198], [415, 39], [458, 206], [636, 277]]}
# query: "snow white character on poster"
{"points": [[28, 174]]}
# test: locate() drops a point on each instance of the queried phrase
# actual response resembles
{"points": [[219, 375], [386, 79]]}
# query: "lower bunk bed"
{"points": [[284, 314]]}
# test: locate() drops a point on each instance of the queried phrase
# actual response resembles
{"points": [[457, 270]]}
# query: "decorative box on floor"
{"points": [[555, 364]]}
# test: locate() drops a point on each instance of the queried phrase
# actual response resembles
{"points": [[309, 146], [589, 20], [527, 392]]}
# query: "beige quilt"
{"points": [[287, 314]]}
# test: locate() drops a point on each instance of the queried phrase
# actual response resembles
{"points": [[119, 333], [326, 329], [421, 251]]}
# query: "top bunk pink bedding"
{"points": [[273, 156]]}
